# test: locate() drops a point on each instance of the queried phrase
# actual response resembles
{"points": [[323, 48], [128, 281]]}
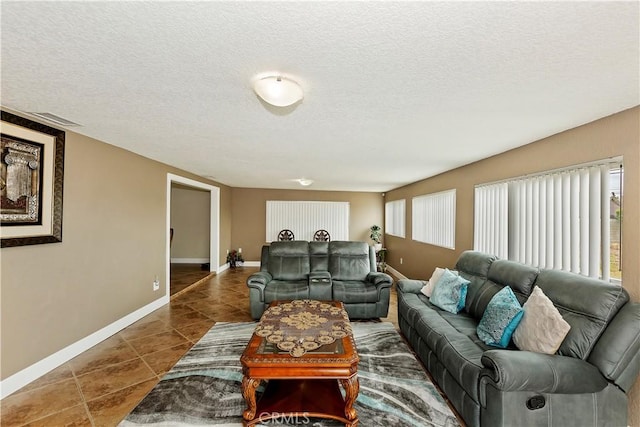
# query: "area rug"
{"points": [[203, 388]]}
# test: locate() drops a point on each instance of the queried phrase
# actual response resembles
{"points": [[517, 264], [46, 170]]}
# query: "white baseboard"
{"points": [[244, 264], [251, 264], [396, 273], [38, 369], [189, 260]]}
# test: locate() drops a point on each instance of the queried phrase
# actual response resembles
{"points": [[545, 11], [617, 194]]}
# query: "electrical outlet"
{"points": [[156, 285], [400, 260]]}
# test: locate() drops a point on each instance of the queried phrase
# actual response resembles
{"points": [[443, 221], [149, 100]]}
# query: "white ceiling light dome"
{"points": [[305, 182], [278, 90]]}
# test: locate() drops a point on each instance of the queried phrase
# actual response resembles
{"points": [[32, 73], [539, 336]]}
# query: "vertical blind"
{"points": [[491, 225], [434, 218], [394, 218], [304, 218], [557, 220]]}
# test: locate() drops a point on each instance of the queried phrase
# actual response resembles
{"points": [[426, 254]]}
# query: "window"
{"points": [[434, 219], [567, 219], [394, 217], [305, 218]]}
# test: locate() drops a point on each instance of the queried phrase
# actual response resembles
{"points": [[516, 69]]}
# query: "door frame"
{"points": [[214, 229]]}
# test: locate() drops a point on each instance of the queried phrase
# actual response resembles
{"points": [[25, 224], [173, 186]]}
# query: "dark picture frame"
{"points": [[40, 149]]}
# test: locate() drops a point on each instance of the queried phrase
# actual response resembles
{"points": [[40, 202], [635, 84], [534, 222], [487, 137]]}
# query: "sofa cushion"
{"points": [[622, 337], [289, 260], [354, 291], [519, 277], [349, 260], [542, 328], [474, 266], [319, 256], [501, 273], [455, 349], [278, 290], [500, 319], [427, 289], [450, 292], [586, 304]]}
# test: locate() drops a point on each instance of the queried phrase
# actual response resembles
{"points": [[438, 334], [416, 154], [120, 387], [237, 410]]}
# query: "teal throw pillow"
{"points": [[450, 293], [500, 319]]}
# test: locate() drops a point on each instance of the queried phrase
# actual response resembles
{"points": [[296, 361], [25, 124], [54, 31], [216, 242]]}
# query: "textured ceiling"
{"points": [[394, 91]]}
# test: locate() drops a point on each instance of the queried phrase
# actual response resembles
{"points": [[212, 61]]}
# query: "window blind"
{"points": [[555, 220], [491, 222], [434, 218], [394, 218], [304, 218]]}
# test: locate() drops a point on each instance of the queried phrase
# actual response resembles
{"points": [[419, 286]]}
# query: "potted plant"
{"points": [[381, 260], [376, 236], [234, 257]]}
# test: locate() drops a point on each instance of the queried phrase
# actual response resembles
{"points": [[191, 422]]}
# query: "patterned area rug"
{"points": [[203, 388]]}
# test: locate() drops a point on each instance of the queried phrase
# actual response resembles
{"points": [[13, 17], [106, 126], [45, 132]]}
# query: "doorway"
{"points": [[193, 268]]}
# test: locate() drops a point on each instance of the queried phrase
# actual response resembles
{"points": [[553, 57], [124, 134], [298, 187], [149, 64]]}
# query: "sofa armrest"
{"points": [[259, 278], [381, 280], [410, 286], [320, 287], [513, 370], [258, 281]]}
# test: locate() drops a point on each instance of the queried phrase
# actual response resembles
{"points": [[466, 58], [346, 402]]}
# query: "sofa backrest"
{"points": [[587, 304], [319, 256], [289, 260], [264, 258], [474, 266], [350, 260], [617, 352], [519, 277]]}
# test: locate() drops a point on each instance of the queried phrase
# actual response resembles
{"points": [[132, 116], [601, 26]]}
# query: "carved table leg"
{"points": [[351, 388], [249, 386]]}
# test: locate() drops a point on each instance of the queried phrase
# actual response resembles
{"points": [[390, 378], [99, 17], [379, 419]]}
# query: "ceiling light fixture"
{"points": [[278, 90], [305, 182]]}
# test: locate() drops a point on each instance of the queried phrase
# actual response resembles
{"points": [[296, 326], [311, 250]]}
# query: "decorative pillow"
{"points": [[431, 283], [542, 328], [450, 292], [500, 319]]}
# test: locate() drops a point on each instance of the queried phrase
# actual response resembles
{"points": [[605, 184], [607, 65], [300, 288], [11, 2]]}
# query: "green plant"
{"points": [[376, 233]]}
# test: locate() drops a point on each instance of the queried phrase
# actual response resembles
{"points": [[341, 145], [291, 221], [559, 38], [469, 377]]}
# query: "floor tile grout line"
{"points": [[84, 400], [232, 308]]}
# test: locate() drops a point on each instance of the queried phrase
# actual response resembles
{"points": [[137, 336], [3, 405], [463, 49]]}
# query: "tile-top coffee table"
{"points": [[304, 349]]}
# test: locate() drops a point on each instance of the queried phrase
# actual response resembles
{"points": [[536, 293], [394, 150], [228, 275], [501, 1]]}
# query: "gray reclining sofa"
{"points": [[584, 383], [338, 270]]}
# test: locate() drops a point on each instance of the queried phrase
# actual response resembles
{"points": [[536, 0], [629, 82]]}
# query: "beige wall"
{"points": [[249, 214], [113, 246], [190, 220], [611, 136], [115, 217]]}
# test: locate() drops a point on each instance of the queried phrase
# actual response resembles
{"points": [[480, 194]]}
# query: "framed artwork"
{"points": [[31, 182]]}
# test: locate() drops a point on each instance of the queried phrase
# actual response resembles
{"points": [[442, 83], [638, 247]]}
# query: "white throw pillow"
{"points": [[431, 283], [542, 328]]}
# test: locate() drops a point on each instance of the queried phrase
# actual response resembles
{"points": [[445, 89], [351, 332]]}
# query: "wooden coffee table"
{"points": [[302, 381]]}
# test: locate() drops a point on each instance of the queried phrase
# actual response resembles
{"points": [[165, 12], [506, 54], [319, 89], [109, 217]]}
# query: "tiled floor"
{"points": [[102, 385], [185, 275]]}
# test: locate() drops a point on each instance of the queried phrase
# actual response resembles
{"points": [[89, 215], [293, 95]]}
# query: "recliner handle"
{"points": [[536, 402]]}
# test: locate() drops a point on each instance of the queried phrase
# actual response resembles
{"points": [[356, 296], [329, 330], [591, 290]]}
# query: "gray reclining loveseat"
{"points": [[338, 270], [584, 383]]}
